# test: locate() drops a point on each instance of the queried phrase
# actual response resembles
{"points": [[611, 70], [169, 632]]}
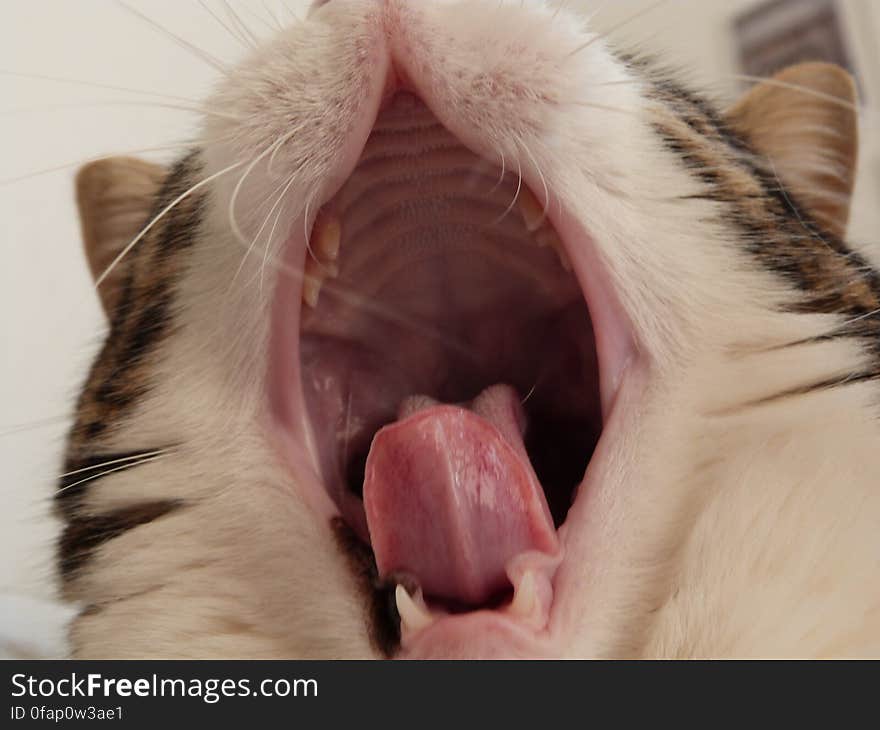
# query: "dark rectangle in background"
{"points": [[780, 33]]}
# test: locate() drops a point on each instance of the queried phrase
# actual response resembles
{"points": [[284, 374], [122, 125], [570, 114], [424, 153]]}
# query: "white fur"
{"points": [[724, 532]]}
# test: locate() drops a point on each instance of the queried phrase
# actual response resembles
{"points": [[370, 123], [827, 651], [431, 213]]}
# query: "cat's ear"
{"points": [[115, 197], [804, 120]]}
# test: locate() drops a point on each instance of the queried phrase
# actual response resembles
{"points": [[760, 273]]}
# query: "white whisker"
{"points": [[233, 222], [626, 21], [606, 108], [272, 15], [416, 325], [159, 217], [76, 163], [109, 471], [239, 23], [306, 231], [562, 5], [283, 188], [810, 233], [259, 18], [866, 315], [33, 425], [190, 109], [796, 87], [272, 236], [515, 196], [503, 173], [271, 164], [380, 311], [195, 50], [543, 179], [529, 394], [598, 11], [223, 24], [94, 85], [122, 460]]}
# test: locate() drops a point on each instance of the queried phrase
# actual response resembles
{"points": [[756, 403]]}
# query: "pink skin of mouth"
{"points": [[484, 633]]}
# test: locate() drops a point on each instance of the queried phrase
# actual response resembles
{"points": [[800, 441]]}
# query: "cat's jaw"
{"points": [[667, 511], [686, 293], [527, 620]]}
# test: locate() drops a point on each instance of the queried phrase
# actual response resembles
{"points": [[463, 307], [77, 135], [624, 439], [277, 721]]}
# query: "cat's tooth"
{"points": [[313, 280], [563, 257], [525, 598], [414, 616], [326, 239], [330, 270], [548, 237], [311, 291], [530, 209]]}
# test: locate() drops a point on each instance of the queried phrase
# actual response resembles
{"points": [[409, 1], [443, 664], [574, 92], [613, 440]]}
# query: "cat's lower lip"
{"points": [[585, 538], [480, 634], [297, 439]]}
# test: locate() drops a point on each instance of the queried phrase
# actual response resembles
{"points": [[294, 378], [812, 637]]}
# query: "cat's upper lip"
{"points": [[514, 632]]}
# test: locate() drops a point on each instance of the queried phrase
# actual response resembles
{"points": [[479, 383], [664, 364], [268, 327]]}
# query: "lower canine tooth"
{"points": [[326, 238], [530, 209], [313, 279], [525, 600], [413, 616], [311, 291], [563, 258], [548, 237]]}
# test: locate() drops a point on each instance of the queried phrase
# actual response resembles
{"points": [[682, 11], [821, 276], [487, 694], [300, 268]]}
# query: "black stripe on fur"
{"points": [[84, 534], [80, 474]]}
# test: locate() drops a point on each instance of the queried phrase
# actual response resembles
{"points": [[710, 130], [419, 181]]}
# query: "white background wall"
{"points": [[51, 323]]}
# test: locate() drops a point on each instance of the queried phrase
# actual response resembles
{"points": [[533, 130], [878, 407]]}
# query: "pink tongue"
{"points": [[451, 497]]}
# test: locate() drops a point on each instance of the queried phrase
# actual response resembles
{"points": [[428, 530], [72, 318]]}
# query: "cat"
{"points": [[461, 334]]}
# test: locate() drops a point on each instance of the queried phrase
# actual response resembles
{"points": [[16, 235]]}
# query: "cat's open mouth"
{"points": [[451, 397]]}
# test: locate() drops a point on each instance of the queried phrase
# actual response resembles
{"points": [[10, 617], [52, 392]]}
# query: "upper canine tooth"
{"points": [[326, 238], [549, 237], [531, 210], [413, 616]]}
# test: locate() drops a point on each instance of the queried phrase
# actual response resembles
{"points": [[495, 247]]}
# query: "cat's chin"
{"points": [[392, 328]]}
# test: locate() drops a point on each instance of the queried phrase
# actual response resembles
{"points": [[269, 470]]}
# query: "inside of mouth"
{"points": [[448, 280]]}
